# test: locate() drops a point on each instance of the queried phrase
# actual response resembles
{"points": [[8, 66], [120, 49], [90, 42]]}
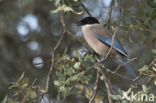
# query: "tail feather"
{"points": [[131, 72]]}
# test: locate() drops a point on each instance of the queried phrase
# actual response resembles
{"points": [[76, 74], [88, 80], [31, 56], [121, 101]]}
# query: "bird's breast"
{"points": [[99, 47]]}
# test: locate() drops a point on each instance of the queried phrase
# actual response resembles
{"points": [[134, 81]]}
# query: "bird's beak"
{"points": [[79, 23]]}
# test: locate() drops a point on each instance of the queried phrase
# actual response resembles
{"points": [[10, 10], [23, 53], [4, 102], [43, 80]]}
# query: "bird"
{"points": [[100, 40]]}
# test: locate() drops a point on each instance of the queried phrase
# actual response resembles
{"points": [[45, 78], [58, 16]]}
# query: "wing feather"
{"points": [[116, 45]]}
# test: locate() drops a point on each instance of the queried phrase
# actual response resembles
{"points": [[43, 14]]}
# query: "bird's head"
{"points": [[87, 21]]}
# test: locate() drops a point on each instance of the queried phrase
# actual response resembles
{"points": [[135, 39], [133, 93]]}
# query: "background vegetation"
{"points": [[44, 58]]}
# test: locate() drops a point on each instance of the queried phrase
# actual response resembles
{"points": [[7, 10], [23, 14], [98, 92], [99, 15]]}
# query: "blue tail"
{"points": [[131, 72], [133, 75]]}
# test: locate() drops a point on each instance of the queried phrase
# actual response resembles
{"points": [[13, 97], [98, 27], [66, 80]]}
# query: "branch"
{"points": [[122, 76], [95, 88], [109, 13], [124, 64], [53, 55], [113, 37], [85, 9], [108, 88]]}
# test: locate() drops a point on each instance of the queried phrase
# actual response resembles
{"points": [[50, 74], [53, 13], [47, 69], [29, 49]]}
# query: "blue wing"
{"points": [[120, 49], [116, 44]]}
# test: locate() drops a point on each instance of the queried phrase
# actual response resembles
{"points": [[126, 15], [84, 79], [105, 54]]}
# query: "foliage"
{"points": [[68, 82], [70, 69], [150, 71], [22, 91], [66, 6]]}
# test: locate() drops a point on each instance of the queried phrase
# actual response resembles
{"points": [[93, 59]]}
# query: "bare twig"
{"points": [[120, 11], [124, 64], [76, 37], [53, 56], [113, 37], [49, 60], [108, 88], [85, 9], [152, 62], [109, 13], [95, 88], [122, 76]]}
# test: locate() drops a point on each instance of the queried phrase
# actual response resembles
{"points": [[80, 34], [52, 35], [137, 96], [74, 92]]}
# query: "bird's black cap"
{"points": [[87, 20]]}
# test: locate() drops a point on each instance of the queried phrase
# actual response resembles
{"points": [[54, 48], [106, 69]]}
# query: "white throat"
{"points": [[84, 27]]}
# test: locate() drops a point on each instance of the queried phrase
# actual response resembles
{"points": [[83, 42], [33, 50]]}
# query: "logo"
{"points": [[139, 97]]}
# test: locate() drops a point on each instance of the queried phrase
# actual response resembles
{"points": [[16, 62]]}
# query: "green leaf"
{"points": [[58, 83], [67, 9], [76, 54], [116, 97], [62, 8], [154, 51], [89, 58], [21, 77], [24, 85], [144, 68], [62, 88], [85, 79], [68, 70], [5, 99], [125, 101], [32, 94], [58, 2], [120, 91], [74, 77], [60, 76], [77, 65]]}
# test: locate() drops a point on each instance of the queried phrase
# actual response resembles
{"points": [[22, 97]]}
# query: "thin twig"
{"points": [[124, 64], [113, 37], [122, 76], [95, 88], [49, 60], [121, 19], [152, 62], [53, 56], [108, 88], [109, 13], [85, 9]]}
